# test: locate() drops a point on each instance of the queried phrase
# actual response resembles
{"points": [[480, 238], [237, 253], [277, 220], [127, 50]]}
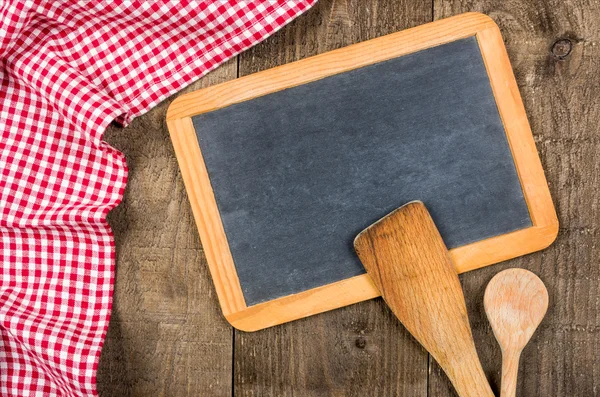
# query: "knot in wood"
{"points": [[360, 342], [562, 48]]}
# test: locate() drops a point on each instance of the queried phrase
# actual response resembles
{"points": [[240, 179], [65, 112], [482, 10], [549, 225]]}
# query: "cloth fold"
{"points": [[67, 70]]}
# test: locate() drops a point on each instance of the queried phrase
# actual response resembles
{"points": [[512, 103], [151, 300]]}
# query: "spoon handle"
{"points": [[510, 370]]}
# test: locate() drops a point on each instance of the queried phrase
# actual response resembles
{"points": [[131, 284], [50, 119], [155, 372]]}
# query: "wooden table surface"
{"points": [[167, 336]]}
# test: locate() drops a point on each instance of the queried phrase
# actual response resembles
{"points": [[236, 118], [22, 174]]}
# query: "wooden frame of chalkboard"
{"points": [[468, 257]]}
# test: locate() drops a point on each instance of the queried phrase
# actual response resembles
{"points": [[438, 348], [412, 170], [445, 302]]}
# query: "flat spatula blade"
{"points": [[408, 261]]}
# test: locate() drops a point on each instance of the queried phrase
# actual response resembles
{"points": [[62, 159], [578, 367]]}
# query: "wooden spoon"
{"points": [[408, 261], [515, 302]]}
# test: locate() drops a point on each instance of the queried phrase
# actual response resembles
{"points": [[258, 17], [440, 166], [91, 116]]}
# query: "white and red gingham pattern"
{"points": [[67, 69]]}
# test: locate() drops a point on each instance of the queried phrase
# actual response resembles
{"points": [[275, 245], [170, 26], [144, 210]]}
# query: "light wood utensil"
{"points": [[408, 261], [515, 302]]}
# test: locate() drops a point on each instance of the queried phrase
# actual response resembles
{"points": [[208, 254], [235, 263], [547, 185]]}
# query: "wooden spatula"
{"points": [[515, 302], [408, 261]]}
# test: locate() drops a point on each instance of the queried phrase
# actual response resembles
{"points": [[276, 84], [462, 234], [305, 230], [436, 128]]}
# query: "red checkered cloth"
{"points": [[67, 70]]}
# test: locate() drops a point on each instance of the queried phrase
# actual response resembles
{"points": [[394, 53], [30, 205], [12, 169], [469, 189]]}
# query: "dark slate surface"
{"points": [[298, 173]]}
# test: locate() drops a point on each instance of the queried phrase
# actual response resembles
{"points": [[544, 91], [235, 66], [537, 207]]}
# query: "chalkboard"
{"points": [[297, 173]]}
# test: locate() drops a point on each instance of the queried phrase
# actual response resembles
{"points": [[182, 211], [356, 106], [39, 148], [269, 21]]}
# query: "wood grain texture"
{"points": [[409, 263], [362, 350], [553, 47], [167, 336], [468, 257], [515, 303], [359, 350]]}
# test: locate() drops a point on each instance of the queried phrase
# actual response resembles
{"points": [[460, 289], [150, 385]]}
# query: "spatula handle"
{"points": [[510, 371], [468, 378], [408, 261]]}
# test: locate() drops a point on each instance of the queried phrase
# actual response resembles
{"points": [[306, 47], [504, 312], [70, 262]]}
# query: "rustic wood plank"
{"points": [[360, 350], [553, 46], [167, 336], [165, 342]]}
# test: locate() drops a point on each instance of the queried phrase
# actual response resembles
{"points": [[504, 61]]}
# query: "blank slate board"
{"points": [[297, 174], [285, 167]]}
